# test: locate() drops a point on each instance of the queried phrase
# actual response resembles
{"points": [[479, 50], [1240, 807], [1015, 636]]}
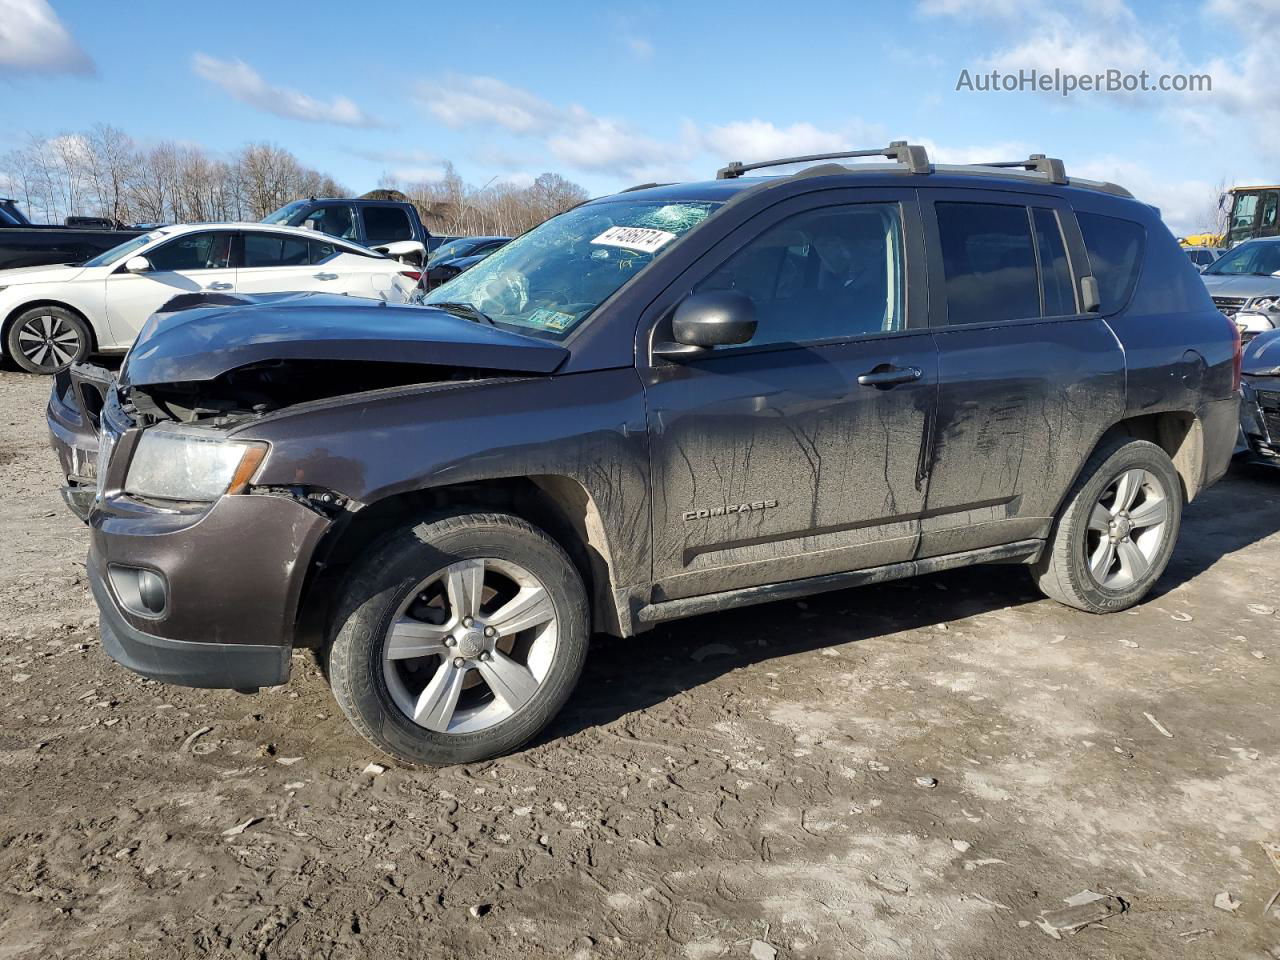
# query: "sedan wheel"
{"points": [[47, 339]]}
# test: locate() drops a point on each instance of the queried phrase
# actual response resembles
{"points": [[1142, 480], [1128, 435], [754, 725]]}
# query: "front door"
{"points": [[190, 263], [800, 452]]}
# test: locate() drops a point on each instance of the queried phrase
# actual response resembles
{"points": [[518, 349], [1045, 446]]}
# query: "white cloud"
{"points": [[641, 47], [34, 40], [460, 100], [245, 84]]}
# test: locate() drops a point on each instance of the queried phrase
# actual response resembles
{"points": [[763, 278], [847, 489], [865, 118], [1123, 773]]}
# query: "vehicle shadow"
{"points": [[627, 676], [1243, 508]]}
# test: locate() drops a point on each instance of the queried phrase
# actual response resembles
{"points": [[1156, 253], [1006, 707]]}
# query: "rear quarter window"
{"points": [[1115, 249]]}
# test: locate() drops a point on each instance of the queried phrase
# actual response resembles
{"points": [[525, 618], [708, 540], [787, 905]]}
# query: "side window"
{"points": [[321, 251], [1115, 256], [988, 262], [1055, 272], [274, 250], [835, 272], [193, 251], [335, 220], [386, 225]]}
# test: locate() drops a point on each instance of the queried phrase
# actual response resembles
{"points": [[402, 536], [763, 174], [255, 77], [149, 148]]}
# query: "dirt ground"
{"points": [[741, 785]]}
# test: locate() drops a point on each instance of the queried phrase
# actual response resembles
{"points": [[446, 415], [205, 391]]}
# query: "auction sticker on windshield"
{"points": [[644, 239], [549, 319]]}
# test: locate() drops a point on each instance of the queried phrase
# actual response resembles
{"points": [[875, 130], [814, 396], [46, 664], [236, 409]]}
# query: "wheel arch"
{"points": [[1179, 433], [559, 505]]}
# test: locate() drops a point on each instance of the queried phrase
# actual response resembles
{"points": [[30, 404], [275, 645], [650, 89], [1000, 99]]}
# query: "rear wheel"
{"points": [[1116, 531], [47, 339], [459, 639]]}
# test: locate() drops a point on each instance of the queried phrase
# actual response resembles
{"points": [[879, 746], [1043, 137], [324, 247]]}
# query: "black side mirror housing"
{"points": [[714, 318]]}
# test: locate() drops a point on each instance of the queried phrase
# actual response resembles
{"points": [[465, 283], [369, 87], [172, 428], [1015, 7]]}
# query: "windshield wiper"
{"points": [[458, 307]]}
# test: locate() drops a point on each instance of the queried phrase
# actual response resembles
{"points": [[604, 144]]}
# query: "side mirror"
{"points": [[410, 251], [715, 318], [138, 265]]}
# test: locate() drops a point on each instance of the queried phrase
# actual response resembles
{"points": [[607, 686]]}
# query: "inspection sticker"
{"points": [[550, 319], [644, 239]]}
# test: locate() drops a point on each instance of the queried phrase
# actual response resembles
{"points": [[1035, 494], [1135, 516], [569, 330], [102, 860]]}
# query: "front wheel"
{"points": [[47, 339], [1114, 535], [459, 639]]}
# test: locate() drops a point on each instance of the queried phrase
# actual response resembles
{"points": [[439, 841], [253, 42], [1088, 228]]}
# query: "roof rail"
{"points": [[914, 157], [1051, 167]]}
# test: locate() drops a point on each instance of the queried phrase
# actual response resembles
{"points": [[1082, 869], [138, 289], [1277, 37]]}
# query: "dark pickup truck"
{"points": [[371, 223], [27, 244]]}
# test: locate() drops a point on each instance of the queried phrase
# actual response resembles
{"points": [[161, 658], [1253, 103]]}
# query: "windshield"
{"points": [[549, 280], [285, 213], [1258, 258], [125, 249], [454, 248]]}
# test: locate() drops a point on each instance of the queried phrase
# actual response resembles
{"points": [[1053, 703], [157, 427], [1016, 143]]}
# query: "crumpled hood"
{"points": [[203, 342], [1262, 355], [1241, 286], [49, 273]]}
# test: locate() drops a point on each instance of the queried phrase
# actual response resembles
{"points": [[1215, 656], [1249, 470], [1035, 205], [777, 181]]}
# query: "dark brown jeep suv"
{"points": [[662, 403]]}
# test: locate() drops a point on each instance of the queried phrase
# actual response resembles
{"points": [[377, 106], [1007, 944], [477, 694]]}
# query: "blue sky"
{"points": [[610, 95]]}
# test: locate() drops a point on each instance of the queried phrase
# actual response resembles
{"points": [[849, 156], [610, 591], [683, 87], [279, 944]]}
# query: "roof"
{"points": [[180, 228], [909, 161]]}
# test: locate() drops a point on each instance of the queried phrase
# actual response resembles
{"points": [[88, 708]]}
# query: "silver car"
{"points": [[1245, 285]]}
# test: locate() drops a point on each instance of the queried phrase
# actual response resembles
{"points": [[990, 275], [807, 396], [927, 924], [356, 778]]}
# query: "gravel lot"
{"points": [[916, 770]]}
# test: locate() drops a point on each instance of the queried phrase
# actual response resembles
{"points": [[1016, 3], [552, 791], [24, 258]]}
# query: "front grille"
{"points": [[1269, 405], [1229, 305]]}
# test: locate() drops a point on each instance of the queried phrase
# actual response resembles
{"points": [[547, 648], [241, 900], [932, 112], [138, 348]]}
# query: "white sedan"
{"points": [[55, 315]]}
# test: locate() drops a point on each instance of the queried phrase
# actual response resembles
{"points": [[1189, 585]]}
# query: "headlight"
{"points": [[1270, 304], [173, 465]]}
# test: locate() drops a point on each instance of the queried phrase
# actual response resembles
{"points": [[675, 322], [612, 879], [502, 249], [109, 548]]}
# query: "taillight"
{"points": [[414, 275], [1237, 360]]}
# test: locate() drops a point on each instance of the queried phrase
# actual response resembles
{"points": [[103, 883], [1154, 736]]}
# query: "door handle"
{"points": [[219, 285], [886, 376], [326, 276]]}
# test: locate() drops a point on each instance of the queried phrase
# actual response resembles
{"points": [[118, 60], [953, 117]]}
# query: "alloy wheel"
{"points": [[49, 342], [1127, 528], [470, 646]]}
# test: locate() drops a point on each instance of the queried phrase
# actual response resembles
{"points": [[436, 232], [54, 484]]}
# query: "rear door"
{"points": [[189, 263], [771, 460], [1026, 381], [279, 262]]}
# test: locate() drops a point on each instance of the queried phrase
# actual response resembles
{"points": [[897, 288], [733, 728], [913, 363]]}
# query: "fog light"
{"points": [[143, 593]]}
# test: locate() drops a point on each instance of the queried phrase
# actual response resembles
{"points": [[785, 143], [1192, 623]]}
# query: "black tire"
{"points": [[387, 578], [44, 340], [1063, 573]]}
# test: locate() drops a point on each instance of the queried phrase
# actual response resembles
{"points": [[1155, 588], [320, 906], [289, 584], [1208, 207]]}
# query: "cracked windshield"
{"points": [[551, 279]]}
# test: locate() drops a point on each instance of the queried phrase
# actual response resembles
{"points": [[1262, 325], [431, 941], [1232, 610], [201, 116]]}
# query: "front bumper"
{"points": [[1259, 439], [234, 666]]}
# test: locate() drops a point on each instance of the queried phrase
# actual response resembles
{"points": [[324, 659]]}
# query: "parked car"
{"points": [[1203, 256], [1245, 285], [663, 403], [55, 315], [1260, 400], [27, 244], [370, 223], [453, 258]]}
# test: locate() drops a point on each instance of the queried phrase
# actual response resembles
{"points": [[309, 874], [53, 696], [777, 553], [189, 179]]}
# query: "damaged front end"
{"points": [[1259, 440]]}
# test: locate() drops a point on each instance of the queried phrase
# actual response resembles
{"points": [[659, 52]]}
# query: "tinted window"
{"points": [[193, 251], [275, 250], [1055, 272], [386, 224], [1115, 254], [321, 251], [988, 262], [835, 272], [335, 220]]}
